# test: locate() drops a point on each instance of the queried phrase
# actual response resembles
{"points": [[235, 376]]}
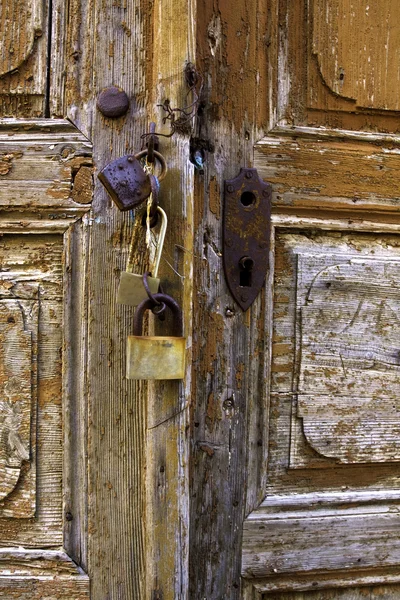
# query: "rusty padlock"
{"points": [[156, 357], [127, 182]]}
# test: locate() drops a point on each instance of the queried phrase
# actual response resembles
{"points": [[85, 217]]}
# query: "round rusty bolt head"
{"points": [[230, 188], [113, 102], [249, 175]]}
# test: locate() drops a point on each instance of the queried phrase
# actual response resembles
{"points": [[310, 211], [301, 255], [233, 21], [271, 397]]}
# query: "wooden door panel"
{"points": [[333, 424], [330, 513], [316, 169], [23, 58], [40, 225], [356, 49], [338, 64], [363, 593]]}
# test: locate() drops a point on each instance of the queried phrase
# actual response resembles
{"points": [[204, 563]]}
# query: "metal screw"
{"points": [[230, 188], [266, 192], [244, 297], [249, 174], [113, 102]]}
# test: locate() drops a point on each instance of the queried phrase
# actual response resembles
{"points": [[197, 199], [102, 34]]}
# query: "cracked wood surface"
{"points": [[333, 417]]}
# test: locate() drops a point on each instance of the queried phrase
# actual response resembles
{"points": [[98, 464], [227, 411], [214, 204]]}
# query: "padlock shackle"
{"points": [[148, 304], [160, 242]]}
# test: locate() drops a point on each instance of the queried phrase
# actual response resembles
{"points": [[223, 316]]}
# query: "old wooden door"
{"points": [[295, 479], [76, 440]]}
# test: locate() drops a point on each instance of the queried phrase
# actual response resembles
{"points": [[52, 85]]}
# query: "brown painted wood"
{"points": [[229, 350], [326, 440]]}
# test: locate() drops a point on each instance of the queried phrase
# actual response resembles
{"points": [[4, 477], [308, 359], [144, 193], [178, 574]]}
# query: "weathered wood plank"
{"points": [[38, 163], [352, 63], [23, 58], [356, 541], [363, 593], [118, 53], [303, 95], [32, 272], [230, 348], [32, 588], [337, 171]]}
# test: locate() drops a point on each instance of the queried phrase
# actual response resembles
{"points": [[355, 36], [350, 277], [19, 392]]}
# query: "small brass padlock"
{"points": [[156, 357]]}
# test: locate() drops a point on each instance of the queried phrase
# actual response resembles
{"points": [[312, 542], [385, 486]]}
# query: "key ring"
{"points": [[160, 159]]}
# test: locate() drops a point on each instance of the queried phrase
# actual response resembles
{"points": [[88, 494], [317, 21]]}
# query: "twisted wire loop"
{"points": [[180, 119]]}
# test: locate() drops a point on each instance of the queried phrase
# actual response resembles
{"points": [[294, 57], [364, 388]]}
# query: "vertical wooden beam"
{"points": [[137, 446], [229, 382], [167, 499], [103, 44]]}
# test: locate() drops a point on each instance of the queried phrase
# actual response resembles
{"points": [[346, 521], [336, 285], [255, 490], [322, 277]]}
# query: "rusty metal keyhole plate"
{"points": [[246, 235]]}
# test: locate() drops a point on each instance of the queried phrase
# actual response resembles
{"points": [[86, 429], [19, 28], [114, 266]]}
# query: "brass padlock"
{"points": [[131, 290], [156, 357]]}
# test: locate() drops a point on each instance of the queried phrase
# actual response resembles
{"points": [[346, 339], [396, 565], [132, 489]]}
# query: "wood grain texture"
{"points": [[330, 169], [142, 49], [357, 52], [230, 347], [167, 478], [17, 407], [23, 62], [289, 444], [363, 593], [313, 89], [291, 542], [313, 185], [31, 279]]}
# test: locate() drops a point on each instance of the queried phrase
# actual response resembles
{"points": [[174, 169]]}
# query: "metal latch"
{"points": [[246, 235]]}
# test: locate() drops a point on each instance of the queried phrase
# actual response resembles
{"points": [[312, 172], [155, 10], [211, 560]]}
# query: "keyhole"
{"points": [[246, 266]]}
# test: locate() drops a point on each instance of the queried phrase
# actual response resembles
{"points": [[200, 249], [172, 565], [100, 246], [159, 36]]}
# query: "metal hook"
{"points": [[152, 143], [160, 159]]}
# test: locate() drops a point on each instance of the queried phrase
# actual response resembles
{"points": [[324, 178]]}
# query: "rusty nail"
{"points": [[113, 102], [229, 312], [227, 404]]}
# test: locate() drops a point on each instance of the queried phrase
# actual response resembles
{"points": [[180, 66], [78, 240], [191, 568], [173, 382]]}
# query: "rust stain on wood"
{"points": [[6, 161], [82, 190]]}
